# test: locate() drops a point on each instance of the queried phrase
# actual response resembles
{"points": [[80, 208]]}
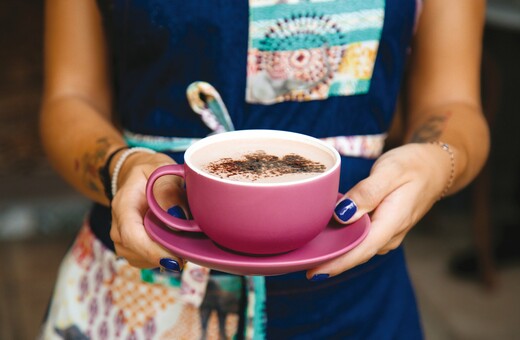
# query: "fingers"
{"points": [[129, 207], [364, 197], [359, 255], [401, 188], [150, 254], [177, 211], [129, 235], [382, 237], [133, 243]]}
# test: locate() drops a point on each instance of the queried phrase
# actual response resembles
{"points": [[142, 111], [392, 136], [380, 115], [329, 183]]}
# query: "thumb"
{"points": [[361, 199]]}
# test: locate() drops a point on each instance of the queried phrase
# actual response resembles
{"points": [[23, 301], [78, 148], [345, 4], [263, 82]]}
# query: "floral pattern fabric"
{"points": [[302, 50], [100, 296]]}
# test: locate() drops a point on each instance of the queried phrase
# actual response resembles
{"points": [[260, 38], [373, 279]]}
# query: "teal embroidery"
{"points": [[205, 100], [158, 143], [308, 41], [275, 11], [259, 317], [165, 279], [310, 50]]}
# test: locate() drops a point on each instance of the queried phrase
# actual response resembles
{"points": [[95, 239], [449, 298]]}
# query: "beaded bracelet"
{"points": [[446, 147], [104, 173], [122, 160]]}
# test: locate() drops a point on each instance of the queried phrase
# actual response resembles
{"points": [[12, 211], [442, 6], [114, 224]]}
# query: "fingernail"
{"points": [[345, 210], [170, 265], [319, 277], [177, 211]]}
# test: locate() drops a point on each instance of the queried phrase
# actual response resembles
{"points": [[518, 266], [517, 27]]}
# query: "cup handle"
{"points": [[171, 221]]}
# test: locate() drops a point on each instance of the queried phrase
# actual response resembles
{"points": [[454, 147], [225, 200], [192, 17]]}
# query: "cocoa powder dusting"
{"points": [[259, 164]]}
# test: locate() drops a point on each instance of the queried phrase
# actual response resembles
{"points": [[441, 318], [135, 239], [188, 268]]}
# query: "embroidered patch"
{"points": [[302, 50]]}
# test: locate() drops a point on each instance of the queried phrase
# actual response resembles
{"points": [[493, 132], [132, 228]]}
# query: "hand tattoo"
{"points": [[431, 130], [91, 162]]}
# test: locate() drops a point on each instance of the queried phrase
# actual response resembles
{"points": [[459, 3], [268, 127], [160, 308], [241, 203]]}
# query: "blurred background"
{"points": [[464, 257]]}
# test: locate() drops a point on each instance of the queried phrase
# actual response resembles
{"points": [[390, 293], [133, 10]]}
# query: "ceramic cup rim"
{"points": [[261, 133]]}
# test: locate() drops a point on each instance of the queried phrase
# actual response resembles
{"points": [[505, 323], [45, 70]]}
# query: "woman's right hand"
{"points": [[77, 131], [129, 207]]}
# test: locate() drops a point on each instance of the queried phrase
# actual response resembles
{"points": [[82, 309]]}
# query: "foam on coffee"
{"points": [[263, 161]]}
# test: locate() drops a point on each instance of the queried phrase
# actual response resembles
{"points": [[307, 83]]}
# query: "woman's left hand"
{"points": [[403, 185]]}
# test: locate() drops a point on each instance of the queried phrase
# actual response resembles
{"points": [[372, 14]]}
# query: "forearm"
{"points": [[77, 140], [443, 101], [464, 128]]}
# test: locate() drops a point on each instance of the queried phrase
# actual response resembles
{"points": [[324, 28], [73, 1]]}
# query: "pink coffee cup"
{"points": [[261, 214]]}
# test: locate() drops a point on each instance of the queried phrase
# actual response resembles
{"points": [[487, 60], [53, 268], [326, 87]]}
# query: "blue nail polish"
{"points": [[345, 209], [319, 277], [170, 264], [176, 211]]}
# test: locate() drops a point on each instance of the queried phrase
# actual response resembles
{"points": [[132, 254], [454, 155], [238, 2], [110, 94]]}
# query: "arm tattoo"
{"points": [[430, 130], [90, 163]]}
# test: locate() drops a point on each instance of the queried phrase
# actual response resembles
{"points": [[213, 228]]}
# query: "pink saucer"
{"points": [[335, 240]]}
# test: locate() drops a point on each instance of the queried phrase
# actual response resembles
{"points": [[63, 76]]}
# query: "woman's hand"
{"points": [[129, 207], [442, 102], [403, 185]]}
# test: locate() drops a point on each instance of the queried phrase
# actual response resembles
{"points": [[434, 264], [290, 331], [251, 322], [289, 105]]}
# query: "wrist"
{"points": [[106, 170], [447, 148], [121, 161]]}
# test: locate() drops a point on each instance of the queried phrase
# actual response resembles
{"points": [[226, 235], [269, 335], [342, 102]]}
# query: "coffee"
{"points": [[263, 161], [274, 191]]}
